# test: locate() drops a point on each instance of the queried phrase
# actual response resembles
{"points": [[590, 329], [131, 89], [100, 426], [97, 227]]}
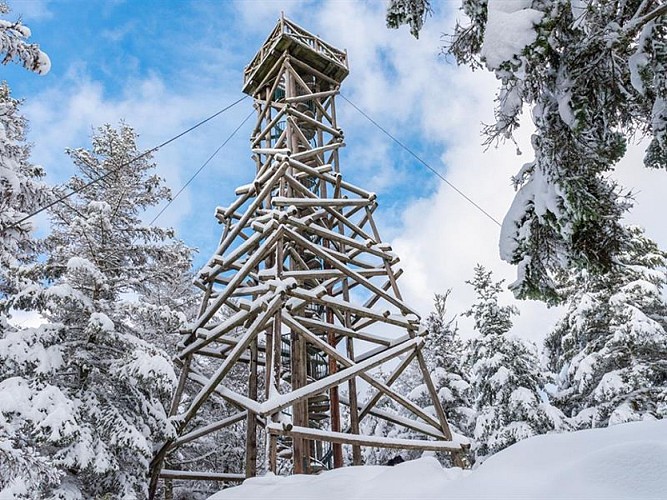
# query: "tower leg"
{"points": [[251, 424]]}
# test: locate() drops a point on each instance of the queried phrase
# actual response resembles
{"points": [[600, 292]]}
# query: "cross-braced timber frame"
{"points": [[309, 290]]}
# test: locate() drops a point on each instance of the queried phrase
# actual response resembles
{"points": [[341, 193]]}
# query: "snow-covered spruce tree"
{"points": [[102, 384], [163, 307], [375, 426], [594, 75], [610, 348], [33, 411], [24, 471], [444, 353], [14, 45], [410, 12], [506, 377], [22, 192]]}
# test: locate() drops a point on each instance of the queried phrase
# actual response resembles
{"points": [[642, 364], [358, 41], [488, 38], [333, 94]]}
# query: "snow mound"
{"points": [[619, 462]]}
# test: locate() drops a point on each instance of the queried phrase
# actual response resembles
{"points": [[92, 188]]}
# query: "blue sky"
{"points": [[164, 65], [189, 56]]}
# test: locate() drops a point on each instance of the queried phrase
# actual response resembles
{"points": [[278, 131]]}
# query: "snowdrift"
{"points": [[626, 461]]}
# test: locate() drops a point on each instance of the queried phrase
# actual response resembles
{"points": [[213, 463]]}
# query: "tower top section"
{"points": [[287, 38]]}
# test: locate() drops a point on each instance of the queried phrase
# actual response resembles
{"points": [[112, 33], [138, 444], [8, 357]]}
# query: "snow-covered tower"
{"points": [[301, 295]]}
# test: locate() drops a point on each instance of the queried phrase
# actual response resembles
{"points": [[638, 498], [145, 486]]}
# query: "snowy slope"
{"points": [[627, 461]]}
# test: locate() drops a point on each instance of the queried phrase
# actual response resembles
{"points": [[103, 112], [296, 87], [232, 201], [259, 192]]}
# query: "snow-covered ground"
{"points": [[626, 461]]}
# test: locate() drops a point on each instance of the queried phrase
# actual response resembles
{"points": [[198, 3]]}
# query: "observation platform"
{"points": [[288, 37]]}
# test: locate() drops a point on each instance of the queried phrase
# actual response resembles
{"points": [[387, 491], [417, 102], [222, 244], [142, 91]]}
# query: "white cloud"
{"points": [[648, 187], [400, 81], [32, 9], [67, 115]]}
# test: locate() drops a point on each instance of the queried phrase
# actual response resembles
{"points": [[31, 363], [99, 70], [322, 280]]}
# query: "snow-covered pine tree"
{"points": [[163, 307], [444, 353], [410, 12], [33, 411], [14, 45], [92, 385], [373, 426], [24, 471], [594, 74], [445, 357], [610, 348], [506, 377], [22, 192]]}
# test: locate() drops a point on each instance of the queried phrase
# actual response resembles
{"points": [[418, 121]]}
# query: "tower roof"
{"points": [[288, 37]]}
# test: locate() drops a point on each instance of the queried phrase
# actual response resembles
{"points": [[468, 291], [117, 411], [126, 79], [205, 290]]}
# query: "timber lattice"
{"points": [[300, 281]]}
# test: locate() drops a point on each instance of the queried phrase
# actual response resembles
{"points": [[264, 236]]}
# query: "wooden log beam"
{"points": [[280, 201], [234, 321], [284, 400], [208, 429], [249, 265], [329, 273], [187, 475], [354, 228], [382, 387], [351, 273], [235, 399], [314, 95], [331, 178], [250, 211], [304, 85], [337, 304], [366, 246], [303, 155], [414, 425], [234, 354], [341, 330], [372, 441]]}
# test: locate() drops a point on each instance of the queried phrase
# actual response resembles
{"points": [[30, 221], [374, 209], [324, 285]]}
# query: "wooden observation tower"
{"points": [[301, 295]]}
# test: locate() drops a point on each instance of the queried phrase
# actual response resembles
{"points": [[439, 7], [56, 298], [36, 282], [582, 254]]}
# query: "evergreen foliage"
{"points": [[410, 12], [22, 191], [610, 348], [444, 352], [15, 47], [24, 471], [593, 75], [104, 268], [506, 377]]}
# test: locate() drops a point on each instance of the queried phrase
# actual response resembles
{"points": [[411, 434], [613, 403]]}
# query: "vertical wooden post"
{"points": [[352, 384], [277, 363], [334, 399], [273, 454], [251, 422], [297, 443]]}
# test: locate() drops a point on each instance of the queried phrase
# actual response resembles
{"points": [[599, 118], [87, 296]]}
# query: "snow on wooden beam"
{"points": [[372, 441], [237, 400], [234, 354], [346, 362], [278, 402], [280, 201], [341, 330], [415, 425], [314, 95], [251, 263], [186, 475], [208, 429], [352, 274]]}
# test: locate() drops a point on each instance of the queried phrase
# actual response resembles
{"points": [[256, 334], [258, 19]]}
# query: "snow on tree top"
{"points": [[509, 29]]}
